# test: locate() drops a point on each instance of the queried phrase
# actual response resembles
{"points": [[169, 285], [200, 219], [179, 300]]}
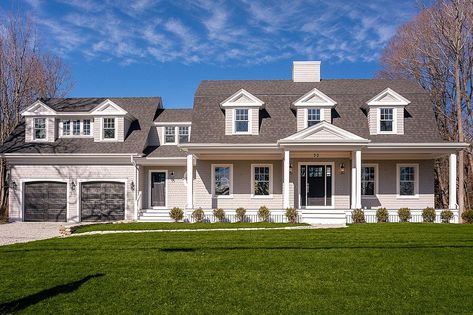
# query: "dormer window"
{"points": [[241, 120], [109, 128], [386, 119], [39, 127], [86, 127], [79, 128], [184, 134], [313, 116], [66, 127], [170, 134]]}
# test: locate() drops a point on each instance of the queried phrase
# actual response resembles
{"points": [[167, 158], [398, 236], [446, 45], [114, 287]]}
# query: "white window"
{"points": [[39, 128], [109, 128], [66, 127], [369, 179], [76, 127], [86, 127], [222, 178], [386, 119], [261, 181], [313, 116], [408, 180], [169, 134], [184, 134], [242, 123]]}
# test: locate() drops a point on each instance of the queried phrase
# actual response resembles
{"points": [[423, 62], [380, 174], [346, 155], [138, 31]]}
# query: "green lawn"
{"points": [[377, 268], [178, 226]]}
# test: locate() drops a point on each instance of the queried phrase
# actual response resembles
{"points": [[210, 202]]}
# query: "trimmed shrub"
{"points": [[382, 215], [219, 214], [264, 214], [428, 215], [240, 214], [358, 216], [467, 216], [198, 215], [404, 214], [291, 215], [177, 214], [446, 216]]}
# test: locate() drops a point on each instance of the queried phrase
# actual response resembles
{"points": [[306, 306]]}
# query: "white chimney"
{"points": [[306, 71]]}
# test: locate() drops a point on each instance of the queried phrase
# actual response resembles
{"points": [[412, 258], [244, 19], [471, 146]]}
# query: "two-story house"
{"points": [[324, 147]]}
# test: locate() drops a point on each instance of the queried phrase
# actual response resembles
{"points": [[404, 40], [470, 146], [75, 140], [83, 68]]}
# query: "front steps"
{"points": [[154, 215], [328, 216]]}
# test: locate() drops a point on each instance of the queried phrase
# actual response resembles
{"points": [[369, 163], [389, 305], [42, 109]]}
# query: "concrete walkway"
{"points": [[22, 232]]}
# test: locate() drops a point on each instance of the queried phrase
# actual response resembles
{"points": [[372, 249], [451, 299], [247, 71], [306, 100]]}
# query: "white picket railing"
{"points": [[370, 216]]}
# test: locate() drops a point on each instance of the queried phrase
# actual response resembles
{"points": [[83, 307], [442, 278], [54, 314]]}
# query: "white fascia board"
{"points": [[179, 123], [433, 145], [328, 102], [26, 112], [401, 100], [304, 133], [118, 110], [229, 102], [227, 145]]}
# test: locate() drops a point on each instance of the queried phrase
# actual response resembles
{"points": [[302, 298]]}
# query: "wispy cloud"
{"points": [[233, 32]]}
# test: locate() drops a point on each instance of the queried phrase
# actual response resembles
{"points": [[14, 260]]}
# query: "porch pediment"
{"points": [[323, 132]]}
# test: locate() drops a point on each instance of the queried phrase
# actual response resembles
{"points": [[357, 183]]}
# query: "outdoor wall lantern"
{"points": [[73, 186], [132, 186], [290, 168], [13, 185], [342, 168]]}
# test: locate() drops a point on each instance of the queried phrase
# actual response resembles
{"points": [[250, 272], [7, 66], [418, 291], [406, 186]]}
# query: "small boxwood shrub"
{"points": [[358, 216], [240, 214], [382, 215], [219, 214], [264, 214], [198, 215], [404, 214], [428, 215], [291, 215], [467, 216], [446, 216], [177, 214]]}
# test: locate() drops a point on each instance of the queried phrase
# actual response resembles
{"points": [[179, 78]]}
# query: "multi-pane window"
{"points": [[368, 180], [261, 184], [66, 127], [170, 134], [86, 127], [184, 134], [109, 128], [241, 120], [407, 180], [386, 119], [39, 128], [313, 116], [76, 127], [222, 180]]}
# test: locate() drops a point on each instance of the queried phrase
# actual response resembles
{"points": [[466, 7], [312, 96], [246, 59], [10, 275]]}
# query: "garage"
{"points": [[102, 201], [45, 202]]}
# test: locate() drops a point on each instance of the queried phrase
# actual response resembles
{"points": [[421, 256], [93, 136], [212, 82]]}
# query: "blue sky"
{"points": [[165, 48]]}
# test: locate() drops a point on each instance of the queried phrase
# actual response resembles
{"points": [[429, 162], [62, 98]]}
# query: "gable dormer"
{"points": [[386, 113], [111, 122], [39, 123], [313, 107], [242, 111]]}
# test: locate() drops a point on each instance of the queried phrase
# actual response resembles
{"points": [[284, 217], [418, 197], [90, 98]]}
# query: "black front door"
{"points": [[316, 185], [158, 189]]}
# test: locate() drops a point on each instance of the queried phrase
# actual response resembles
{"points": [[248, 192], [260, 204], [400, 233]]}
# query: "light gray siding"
{"points": [[254, 121], [373, 120], [51, 129], [301, 116], [228, 121], [175, 184]]}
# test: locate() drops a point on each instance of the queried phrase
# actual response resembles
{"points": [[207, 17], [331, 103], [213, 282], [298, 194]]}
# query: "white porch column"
{"points": [[190, 171], [452, 182], [353, 180], [286, 179], [358, 179]]}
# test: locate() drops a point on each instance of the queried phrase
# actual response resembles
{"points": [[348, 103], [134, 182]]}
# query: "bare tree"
{"points": [[435, 49], [26, 74]]}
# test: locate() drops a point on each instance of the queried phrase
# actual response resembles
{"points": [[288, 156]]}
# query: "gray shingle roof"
{"points": [[278, 120], [174, 115]]}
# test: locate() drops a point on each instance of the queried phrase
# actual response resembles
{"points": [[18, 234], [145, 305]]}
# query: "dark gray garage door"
{"points": [[102, 201], [45, 201]]}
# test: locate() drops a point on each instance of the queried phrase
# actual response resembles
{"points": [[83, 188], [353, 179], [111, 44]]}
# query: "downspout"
{"points": [[135, 191]]}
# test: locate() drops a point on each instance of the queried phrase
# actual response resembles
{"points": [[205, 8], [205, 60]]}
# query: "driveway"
{"points": [[21, 232]]}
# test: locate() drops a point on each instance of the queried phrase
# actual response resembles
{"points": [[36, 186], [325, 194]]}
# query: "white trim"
{"points": [[180, 123], [378, 120], [376, 180], [61, 128], [299, 164], [400, 100], [24, 181], [230, 102], [115, 124], [46, 129], [189, 181], [327, 101], [306, 115], [79, 183], [416, 179], [98, 110], [301, 136], [452, 181], [150, 171], [176, 130], [252, 187], [213, 166], [29, 111], [249, 132], [433, 145]]}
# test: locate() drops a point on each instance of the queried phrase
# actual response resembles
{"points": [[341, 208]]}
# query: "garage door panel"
{"points": [[45, 201], [102, 201]]}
